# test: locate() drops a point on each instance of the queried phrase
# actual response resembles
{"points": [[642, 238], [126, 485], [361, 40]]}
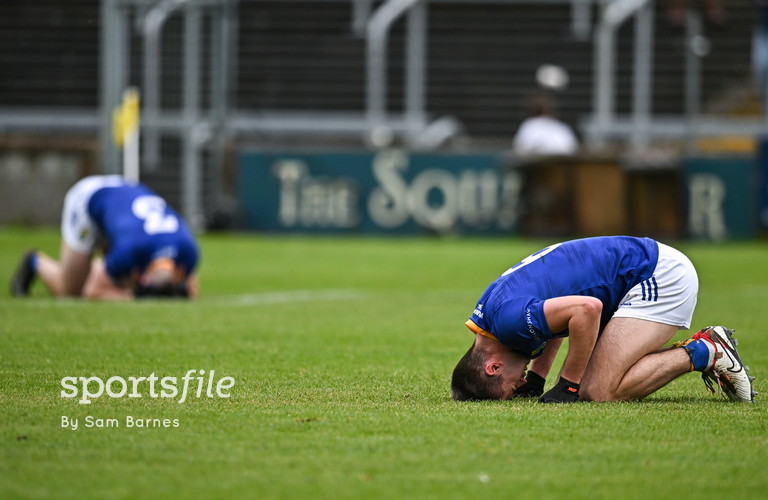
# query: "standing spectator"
{"points": [[542, 134]]}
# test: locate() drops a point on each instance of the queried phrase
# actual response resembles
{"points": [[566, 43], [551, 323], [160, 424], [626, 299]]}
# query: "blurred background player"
{"points": [[148, 250], [618, 299]]}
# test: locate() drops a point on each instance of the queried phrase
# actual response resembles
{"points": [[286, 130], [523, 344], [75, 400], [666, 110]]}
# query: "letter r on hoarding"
{"points": [[706, 217]]}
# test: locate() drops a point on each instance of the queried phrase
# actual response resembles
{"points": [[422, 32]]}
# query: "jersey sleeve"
{"points": [[188, 257], [520, 324], [119, 264]]}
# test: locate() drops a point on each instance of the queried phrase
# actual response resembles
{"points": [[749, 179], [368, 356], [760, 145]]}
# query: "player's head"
{"points": [[162, 278], [489, 370]]}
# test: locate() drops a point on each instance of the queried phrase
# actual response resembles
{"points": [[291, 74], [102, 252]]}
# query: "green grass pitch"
{"points": [[342, 350]]}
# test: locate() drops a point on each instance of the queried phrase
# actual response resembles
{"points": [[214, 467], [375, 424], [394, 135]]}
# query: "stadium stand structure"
{"points": [[304, 56]]}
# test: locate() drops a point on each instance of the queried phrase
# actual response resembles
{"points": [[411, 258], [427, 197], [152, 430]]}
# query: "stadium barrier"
{"points": [[35, 173], [388, 191], [721, 198], [393, 191]]}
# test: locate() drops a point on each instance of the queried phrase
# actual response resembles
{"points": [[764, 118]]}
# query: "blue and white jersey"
{"points": [[512, 307], [139, 226]]}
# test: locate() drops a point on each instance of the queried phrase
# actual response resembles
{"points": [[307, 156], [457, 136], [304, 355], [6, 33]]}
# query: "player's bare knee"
{"points": [[597, 392], [593, 305]]}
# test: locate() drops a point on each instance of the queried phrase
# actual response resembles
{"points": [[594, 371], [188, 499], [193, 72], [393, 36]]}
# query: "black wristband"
{"points": [[533, 387], [535, 378], [564, 391]]}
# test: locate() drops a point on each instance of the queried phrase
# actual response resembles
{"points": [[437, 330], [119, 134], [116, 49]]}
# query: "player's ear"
{"points": [[492, 368]]}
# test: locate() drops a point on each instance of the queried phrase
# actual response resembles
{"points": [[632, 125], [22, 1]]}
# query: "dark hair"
{"points": [[542, 105], [470, 382]]}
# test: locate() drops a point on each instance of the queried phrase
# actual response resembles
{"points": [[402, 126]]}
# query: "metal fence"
{"points": [[131, 31]]}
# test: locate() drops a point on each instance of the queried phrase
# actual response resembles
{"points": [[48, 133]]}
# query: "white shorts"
{"points": [[668, 296], [78, 230]]}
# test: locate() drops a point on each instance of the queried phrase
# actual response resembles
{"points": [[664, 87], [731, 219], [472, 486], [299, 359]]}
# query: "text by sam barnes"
{"points": [[130, 422]]}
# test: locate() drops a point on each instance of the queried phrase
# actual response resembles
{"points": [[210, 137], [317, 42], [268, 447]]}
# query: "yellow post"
{"points": [[125, 129]]}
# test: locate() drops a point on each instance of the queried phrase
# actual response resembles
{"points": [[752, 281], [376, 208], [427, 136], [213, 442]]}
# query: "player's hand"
{"points": [[564, 391], [533, 388]]}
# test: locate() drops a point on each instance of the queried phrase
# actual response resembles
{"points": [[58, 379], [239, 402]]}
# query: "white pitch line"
{"points": [[268, 298], [247, 299]]}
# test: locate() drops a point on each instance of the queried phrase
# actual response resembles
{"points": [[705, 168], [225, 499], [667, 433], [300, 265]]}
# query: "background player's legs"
{"points": [[67, 276], [624, 365]]}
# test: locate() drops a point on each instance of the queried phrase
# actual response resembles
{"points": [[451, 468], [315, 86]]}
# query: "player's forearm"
{"points": [[100, 286], [193, 286], [580, 316], [583, 328], [113, 294], [102, 290], [543, 363]]}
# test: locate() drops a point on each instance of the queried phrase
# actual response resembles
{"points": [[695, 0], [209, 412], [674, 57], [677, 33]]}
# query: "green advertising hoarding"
{"points": [[394, 191], [721, 194], [370, 192]]}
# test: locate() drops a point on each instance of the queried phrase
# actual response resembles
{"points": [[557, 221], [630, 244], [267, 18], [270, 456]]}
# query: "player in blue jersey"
{"points": [[618, 299], [147, 248]]}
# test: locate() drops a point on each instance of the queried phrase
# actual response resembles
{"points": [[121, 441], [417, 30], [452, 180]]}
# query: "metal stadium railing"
{"points": [[205, 129]]}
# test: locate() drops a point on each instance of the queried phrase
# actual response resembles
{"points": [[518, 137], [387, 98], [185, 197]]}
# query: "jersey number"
{"points": [[151, 209], [531, 258]]}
